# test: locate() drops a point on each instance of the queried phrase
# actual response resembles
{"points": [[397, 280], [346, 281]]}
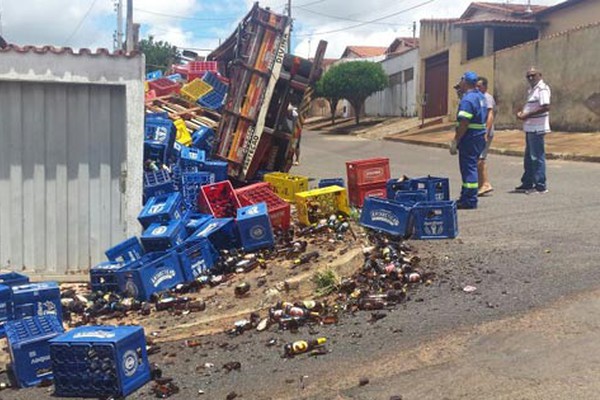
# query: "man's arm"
{"points": [[489, 123], [543, 109], [461, 129]]}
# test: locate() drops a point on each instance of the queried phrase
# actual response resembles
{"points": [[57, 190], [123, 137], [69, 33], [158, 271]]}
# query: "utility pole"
{"points": [[119, 34], [129, 27], [414, 29], [289, 12]]}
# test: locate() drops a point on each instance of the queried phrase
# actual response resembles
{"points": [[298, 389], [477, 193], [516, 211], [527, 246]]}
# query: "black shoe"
{"points": [[523, 188], [463, 206]]}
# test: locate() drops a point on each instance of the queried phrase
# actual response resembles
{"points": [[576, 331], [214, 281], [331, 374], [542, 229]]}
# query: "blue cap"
{"points": [[470, 77]]}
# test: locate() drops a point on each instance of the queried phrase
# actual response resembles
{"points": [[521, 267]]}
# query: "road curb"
{"points": [[503, 152]]}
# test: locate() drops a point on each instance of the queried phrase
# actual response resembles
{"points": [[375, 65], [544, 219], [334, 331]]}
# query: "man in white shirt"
{"points": [[535, 115]]}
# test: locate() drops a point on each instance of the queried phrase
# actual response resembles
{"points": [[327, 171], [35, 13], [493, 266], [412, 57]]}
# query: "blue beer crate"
{"points": [[331, 182], [152, 75], [254, 226], [128, 250], [5, 306], [410, 197], [191, 182], [104, 277], [197, 258], [152, 273], [194, 220], [36, 299], [156, 151], [157, 183], [175, 77], [13, 278], [219, 168], [394, 185], [191, 159], [162, 208], [163, 236], [386, 216], [435, 220], [222, 233], [214, 81], [29, 348], [99, 361], [438, 189], [175, 153], [204, 139], [212, 100], [159, 130]]}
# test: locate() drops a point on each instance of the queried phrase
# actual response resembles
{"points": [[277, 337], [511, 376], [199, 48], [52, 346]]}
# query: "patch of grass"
{"points": [[326, 282]]}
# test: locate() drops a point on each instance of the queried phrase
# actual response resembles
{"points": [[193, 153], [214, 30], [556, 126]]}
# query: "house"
{"points": [[400, 65], [367, 53], [488, 32]]}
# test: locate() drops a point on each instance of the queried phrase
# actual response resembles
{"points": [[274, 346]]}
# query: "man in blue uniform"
{"points": [[470, 137]]}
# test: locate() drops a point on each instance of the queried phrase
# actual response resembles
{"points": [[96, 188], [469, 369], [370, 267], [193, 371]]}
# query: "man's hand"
{"points": [[453, 147], [521, 116]]}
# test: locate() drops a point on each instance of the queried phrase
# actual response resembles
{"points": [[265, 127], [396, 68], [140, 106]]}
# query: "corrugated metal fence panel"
{"points": [[62, 158]]}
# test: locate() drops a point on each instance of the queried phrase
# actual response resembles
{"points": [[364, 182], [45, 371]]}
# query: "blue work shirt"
{"points": [[473, 108]]}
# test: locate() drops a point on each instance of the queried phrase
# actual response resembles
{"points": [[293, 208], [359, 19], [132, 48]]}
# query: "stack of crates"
{"points": [[164, 86], [191, 182], [287, 185], [315, 204], [162, 236], [29, 348], [128, 250], [435, 220], [219, 199], [99, 361], [367, 178], [157, 183], [279, 209], [197, 258], [36, 299], [254, 227]]}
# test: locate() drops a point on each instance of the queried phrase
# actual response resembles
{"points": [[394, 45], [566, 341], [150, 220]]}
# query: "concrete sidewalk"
{"points": [[559, 145]]}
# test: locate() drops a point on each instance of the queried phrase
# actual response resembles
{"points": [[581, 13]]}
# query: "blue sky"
{"points": [[199, 24]]}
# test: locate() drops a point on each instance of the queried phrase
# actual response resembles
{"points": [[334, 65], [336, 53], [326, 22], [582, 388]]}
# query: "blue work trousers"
{"points": [[469, 150], [534, 161]]}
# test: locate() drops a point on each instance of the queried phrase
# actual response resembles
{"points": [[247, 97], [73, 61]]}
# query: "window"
{"points": [[474, 43], [409, 75], [395, 79]]}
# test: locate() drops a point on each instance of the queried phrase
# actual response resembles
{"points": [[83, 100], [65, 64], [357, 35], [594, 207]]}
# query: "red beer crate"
{"points": [[219, 199], [357, 194], [164, 86], [196, 69], [279, 209], [372, 170]]}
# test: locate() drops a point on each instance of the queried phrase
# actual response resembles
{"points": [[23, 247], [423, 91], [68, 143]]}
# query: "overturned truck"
{"points": [[258, 131]]}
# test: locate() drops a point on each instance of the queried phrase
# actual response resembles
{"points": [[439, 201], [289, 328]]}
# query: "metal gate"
{"points": [[436, 86], [62, 169]]}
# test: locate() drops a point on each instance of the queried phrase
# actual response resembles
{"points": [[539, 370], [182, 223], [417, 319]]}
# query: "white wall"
{"points": [[398, 99]]}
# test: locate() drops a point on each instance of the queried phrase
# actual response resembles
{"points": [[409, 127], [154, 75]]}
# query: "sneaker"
{"points": [[523, 188], [537, 191]]}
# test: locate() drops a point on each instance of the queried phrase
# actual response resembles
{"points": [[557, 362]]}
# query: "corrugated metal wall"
{"points": [[62, 167]]}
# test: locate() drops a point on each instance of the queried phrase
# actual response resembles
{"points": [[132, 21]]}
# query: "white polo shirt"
{"points": [[537, 96]]}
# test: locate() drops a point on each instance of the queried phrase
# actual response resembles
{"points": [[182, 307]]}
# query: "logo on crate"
{"points": [[46, 308], [38, 360], [434, 227], [199, 266], [208, 229], [161, 276], [376, 193], [159, 231], [160, 134], [130, 362], [94, 334], [252, 210], [131, 288], [384, 216], [439, 196], [155, 209], [374, 172], [257, 232]]}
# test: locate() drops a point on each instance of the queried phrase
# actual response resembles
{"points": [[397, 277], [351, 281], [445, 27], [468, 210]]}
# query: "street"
{"points": [[529, 331]]}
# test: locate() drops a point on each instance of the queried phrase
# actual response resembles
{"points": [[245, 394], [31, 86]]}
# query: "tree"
{"points": [[353, 81], [159, 55], [327, 88]]}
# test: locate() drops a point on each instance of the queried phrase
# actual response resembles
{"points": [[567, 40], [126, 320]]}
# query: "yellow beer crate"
{"points": [[194, 90], [183, 135], [321, 203], [287, 185]]}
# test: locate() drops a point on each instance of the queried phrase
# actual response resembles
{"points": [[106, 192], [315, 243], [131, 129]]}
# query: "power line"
{"points": [[371, 21], [341, 18], [81, 22], [184, 17]]}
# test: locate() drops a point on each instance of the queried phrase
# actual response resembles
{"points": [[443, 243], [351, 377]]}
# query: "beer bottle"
{"points": [[302, 346]]}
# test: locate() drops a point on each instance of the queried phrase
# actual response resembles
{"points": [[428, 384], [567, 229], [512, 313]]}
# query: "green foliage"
{"points": [[159, 55], [353, 81], [326, 89], [326, 282]]}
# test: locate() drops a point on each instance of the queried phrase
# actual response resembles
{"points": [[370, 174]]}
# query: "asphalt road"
{"points": [[527, 332]]}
